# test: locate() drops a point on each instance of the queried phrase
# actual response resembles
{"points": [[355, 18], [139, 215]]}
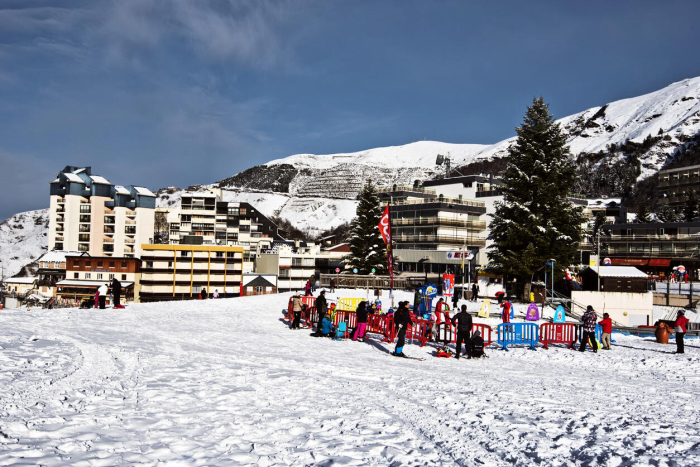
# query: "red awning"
{"points": [[628, 262], [660, 262]]}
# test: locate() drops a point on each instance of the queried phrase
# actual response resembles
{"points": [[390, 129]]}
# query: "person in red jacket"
{"points": [[505, 304], [679, 327], [606, 324]]}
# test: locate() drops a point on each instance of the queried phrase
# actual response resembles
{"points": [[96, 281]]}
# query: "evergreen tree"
{"points": [[690, 212], [643, 214], [665, 213], [536, 222], [598, 223], [367, 247]]}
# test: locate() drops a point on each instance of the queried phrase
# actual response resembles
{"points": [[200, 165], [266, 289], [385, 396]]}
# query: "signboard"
{"points": [[593, 261], [607, 262], [337, 270], [681, 269], [355, 270], [559, 315], [485, 309], [448, 285], [431, 290], [533, 313]]}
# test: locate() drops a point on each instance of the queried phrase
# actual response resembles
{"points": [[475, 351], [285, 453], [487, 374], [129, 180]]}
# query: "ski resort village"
{"points": [[174, 291]]}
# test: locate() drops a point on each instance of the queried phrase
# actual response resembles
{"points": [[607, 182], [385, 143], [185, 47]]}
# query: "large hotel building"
{"points": [[89, 214]]}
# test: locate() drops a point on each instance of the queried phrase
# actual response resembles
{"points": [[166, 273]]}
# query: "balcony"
{"points": [[109, 210], [61, 200], [130, 213], [446, 221], [59, 238], [59, 228], [408, 188], [60, 209], [107, 240], [129, 240], [442, 199], [130, 222], [436, 239], [128, 250]]}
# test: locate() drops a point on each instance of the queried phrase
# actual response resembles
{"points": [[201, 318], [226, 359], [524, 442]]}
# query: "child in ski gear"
{"points": [[361, 322], [506, 305], [402, 319], [296, 310], [463, 322], [102, 291], [327, 328], [589, 320], [477, 345], [606, 324], [680, 327], [216, 293]]}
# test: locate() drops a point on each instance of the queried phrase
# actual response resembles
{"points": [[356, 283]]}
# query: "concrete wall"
{"points": [[628, 309]]}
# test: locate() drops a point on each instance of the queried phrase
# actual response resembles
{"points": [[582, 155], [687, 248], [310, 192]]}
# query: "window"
{"points": [[258, 289], [184, 254], [232, 211], [170, 264], [99, 277], [123, 277], [219, 254], [83, 247], [196, 288], [88, 275], [99, 264], [85, 209], [109, 220], [149, 264], [130, 229], [84, 218], [83, 237], [87, 264], [296, 261], [123, 264], [84, 228], [76, 275], [111, 276], [230, 254], [284, 273], [111, 264]]}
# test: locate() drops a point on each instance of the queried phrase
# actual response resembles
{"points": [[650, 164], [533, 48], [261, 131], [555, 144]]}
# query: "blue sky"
{"points": [[175, 92]]}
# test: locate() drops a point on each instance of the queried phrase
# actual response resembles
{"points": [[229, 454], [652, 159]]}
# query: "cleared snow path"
{"points": [[225, 382]]}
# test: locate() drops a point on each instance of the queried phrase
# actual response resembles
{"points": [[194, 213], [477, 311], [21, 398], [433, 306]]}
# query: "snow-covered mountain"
{"points": [[23, 240], [317, 192]]}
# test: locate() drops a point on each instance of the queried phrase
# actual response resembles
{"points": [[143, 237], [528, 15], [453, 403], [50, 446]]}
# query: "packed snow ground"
{"points": [[225, 382]]}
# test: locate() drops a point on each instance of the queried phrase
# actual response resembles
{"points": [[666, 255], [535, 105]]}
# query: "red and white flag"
{"points": [[385, 230]]}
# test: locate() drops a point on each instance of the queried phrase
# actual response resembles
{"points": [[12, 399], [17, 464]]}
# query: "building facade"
{"points": [[85, 274], [52, 270], [89, 214], [204, 219], [675, 184], [258, 284], [180, 272]]}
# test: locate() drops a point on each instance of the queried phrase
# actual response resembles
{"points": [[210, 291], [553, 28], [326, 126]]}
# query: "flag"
{"points": [[385, 230]]}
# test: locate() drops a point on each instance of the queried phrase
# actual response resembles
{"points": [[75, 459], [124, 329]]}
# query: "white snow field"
{"points": [[225, 382]]}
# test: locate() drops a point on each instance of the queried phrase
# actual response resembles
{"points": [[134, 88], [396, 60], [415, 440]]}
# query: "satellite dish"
{"points": [[440, 159]]}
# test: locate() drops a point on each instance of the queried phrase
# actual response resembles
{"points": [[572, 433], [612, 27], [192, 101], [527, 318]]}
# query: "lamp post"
{"points": [[422, 261]]}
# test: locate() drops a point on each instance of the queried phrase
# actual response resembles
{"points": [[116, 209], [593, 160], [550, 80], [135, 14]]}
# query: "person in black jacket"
{"points": [[402, 319], [361, 322], [475, 291], [117, 293], [477, 345], [321, 309], [463, 322]]}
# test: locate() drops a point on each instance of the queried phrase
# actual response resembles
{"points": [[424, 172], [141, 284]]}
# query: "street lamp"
{"points": [[550, 263], [422, 261]]}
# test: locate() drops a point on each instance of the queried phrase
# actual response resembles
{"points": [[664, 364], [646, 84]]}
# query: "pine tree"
{"points": [[690, 212], [367, 247], [643, 214], [536, 222], [665, 213]]}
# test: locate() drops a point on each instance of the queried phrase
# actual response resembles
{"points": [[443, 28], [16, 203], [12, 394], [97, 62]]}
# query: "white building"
{"points": [[89, 214]]}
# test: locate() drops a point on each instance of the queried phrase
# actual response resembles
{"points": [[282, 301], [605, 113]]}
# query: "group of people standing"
{"points": [[103, 291]]}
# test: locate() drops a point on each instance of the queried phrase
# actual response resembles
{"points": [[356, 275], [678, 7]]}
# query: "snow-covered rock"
{"points": [[23, 239]]}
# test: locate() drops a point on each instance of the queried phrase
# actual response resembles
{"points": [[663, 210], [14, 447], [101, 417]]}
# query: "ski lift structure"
{"points": [[444, 160]]}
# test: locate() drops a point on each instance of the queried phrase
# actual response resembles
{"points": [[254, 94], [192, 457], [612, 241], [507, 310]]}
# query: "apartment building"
{"points": [[204, 219], [295, 262], [89, 214], [180, 272], [675, 184], [52, 270], [85, 274]]}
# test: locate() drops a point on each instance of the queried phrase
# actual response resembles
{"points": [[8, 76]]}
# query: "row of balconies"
{"points": [[446, 221], [452, 240]]}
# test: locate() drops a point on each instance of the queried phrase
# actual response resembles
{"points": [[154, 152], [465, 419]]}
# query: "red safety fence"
{"points": [[308, 300], [558, 333]]}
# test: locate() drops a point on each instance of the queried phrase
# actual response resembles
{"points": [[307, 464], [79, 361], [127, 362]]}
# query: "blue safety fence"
{"points": [[518, 333]]}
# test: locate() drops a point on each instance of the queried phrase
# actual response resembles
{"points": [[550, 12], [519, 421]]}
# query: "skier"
{"points": [[361, 322], [117, 292], [402, 319], [216, 293], [102, 293], [606, 324], [296, 310], [321, 308], [477, 345], [589, 321], [679, 327], [475, 291], [463, 321]]}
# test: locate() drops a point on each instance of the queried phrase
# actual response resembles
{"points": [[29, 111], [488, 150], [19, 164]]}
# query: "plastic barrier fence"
{"points": [[518, 333], [308, 301], [598, 333], [448, 333], [349, 304], [558, 333]]}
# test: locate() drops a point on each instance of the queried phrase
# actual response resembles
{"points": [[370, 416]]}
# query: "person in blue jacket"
{"points": [[327, 328]]}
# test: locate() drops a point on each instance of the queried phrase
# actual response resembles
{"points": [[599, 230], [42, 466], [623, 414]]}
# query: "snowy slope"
{"points": [[23, 240], [225, 382]]}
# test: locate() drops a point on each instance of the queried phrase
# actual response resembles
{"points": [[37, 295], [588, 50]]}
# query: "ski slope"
{"points": [[225, 382]]}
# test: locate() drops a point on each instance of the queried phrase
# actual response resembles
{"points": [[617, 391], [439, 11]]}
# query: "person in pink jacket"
{"points": [[680, 327]]}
